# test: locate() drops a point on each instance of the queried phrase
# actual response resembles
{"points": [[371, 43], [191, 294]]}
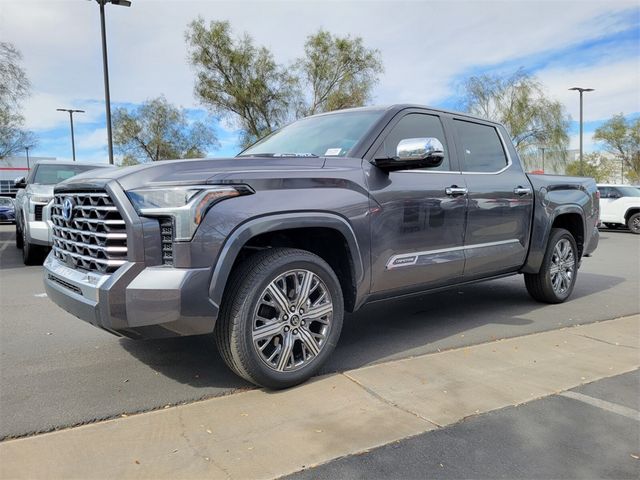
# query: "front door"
{"points": [[417, 229], [500, 200]]}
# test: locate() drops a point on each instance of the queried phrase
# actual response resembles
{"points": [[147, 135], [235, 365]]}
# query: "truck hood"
{"points": [[189, 172], [40, 190]]}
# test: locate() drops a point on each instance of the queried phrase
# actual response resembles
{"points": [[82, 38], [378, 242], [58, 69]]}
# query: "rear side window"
{"points": [[415, 125], [482, 150]]}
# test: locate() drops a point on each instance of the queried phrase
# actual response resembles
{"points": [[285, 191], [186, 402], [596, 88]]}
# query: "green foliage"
{"points": [[242, 82], [595, 166], [340, 72], [520, 103], [157, 130], [621, 137], [14, 88]]}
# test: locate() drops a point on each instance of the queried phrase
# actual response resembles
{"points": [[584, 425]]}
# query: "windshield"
{"points": [[52, 174], [6, 202], [331, 135]]}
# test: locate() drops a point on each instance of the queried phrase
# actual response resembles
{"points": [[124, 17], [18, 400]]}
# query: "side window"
{"points": [[482, 149], [415, 125]]}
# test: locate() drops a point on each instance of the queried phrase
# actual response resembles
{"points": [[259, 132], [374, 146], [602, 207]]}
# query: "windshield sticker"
{"points": [[332, 152]]}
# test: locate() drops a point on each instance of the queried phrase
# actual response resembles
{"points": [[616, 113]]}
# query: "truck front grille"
{"points": [[94, 238]]}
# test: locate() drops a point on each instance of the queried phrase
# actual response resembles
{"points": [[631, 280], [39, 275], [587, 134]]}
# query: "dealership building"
{"points": [[12, 168]]}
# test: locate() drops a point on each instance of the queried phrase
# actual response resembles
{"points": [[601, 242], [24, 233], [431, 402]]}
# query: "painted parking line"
{"points": [[604, 405]]}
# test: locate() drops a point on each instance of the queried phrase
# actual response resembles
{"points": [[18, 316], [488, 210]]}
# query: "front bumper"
{"points": [[135, 301], [39, 233]]}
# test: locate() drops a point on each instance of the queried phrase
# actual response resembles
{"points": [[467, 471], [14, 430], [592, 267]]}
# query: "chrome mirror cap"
{"points": [[419, 149]]}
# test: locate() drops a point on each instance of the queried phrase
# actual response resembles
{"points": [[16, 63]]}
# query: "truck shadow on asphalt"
{"points": [[392, 329]]}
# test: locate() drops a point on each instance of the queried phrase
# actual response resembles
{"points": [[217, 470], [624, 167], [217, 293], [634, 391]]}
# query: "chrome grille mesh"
{"points": [[95, 237]]}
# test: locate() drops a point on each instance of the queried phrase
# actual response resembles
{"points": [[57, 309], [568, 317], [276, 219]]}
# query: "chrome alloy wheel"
{"points": [[562, 266], [292, 320]]}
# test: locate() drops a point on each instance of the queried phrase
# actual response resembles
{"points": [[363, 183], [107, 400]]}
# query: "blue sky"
{"points": [[428, 49]]}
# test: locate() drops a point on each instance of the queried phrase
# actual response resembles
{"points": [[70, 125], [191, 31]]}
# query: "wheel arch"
{"points": [[299, 230], [630, 211]]}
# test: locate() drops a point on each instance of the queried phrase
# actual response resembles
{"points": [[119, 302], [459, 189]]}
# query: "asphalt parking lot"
{"points": [[56, 371]]}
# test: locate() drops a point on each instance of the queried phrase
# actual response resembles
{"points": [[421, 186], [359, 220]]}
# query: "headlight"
{"points": [[187, 205], [39, 199]]}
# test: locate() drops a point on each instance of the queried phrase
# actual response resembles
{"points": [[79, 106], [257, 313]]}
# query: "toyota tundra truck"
{"points": [[266, 251]]}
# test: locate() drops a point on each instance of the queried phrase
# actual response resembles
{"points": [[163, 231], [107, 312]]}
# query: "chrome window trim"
{"points": [[427, 171], [413, 256], [504, 149]]}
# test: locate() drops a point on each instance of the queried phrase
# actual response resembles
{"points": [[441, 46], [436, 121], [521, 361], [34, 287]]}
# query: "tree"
{"points": [[621, 137], [595, 165], [239, 80], [243, 82], [520, 103], [340, 72], [14, 88], [157, 130]]}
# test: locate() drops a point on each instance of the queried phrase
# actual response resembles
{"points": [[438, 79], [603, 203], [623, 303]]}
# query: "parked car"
{"points": [[620, 206], [7, 210], [33, 231], [267, 250]]}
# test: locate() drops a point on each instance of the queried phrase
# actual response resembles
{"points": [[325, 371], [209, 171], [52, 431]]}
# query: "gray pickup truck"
{"points": [[267, 250]]}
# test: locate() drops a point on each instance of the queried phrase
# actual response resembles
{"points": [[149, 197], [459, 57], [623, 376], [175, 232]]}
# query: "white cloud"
{"points": [[96, 139], [617, 88], [41, 114], [425, 46]]}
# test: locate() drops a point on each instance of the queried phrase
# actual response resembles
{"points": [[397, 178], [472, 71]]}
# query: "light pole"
{"points": [[28, 166], [543, 149], [105, 69], [73, 141], [581, 90]]}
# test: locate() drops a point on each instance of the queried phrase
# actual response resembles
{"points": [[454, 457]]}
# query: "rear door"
{"points": [[500, 199]]}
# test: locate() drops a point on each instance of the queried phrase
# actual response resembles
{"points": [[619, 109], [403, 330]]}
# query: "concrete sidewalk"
{"points": [[259, 434]]}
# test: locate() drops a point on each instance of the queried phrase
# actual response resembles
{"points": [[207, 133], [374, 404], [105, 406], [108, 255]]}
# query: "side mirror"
{"points": [[20, 182], [414, 153]]}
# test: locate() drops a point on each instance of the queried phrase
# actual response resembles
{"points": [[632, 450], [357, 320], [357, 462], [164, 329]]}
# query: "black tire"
{"points": [[31, 254], [19, 239], [633, 223], [540, 285], [244, 295]]}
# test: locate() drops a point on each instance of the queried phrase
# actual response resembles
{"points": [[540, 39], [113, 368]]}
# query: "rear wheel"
{"points": [[557, 276], [634, 223], [281, 317]]}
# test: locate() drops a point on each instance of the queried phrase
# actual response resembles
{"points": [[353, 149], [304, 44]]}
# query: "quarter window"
{"points": [[482, 150], [415, 125]]}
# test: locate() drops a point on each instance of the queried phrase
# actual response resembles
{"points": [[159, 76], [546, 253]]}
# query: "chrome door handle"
{"points": [[522, 191], [454, 191]]}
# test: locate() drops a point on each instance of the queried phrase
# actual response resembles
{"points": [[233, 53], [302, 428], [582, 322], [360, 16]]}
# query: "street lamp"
{"points": [[73, 141], [105, 69], [581, 90]]}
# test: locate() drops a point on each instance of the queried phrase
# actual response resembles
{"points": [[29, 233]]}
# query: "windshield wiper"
{"points": [[280, 155]]}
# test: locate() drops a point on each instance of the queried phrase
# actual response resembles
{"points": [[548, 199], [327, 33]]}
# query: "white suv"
{"points": [[620, 205]]}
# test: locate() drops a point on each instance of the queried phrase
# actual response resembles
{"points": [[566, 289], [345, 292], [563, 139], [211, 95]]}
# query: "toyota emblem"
{"points": [[67, 209]]}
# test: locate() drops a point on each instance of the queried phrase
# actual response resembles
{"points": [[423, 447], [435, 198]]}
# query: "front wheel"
{"points": [[557, 276], [634, 223], [281, 317], [31, 254]]}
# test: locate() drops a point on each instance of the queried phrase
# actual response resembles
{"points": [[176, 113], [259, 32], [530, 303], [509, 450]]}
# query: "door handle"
{"points": [[455, 191], [522, 190]]}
